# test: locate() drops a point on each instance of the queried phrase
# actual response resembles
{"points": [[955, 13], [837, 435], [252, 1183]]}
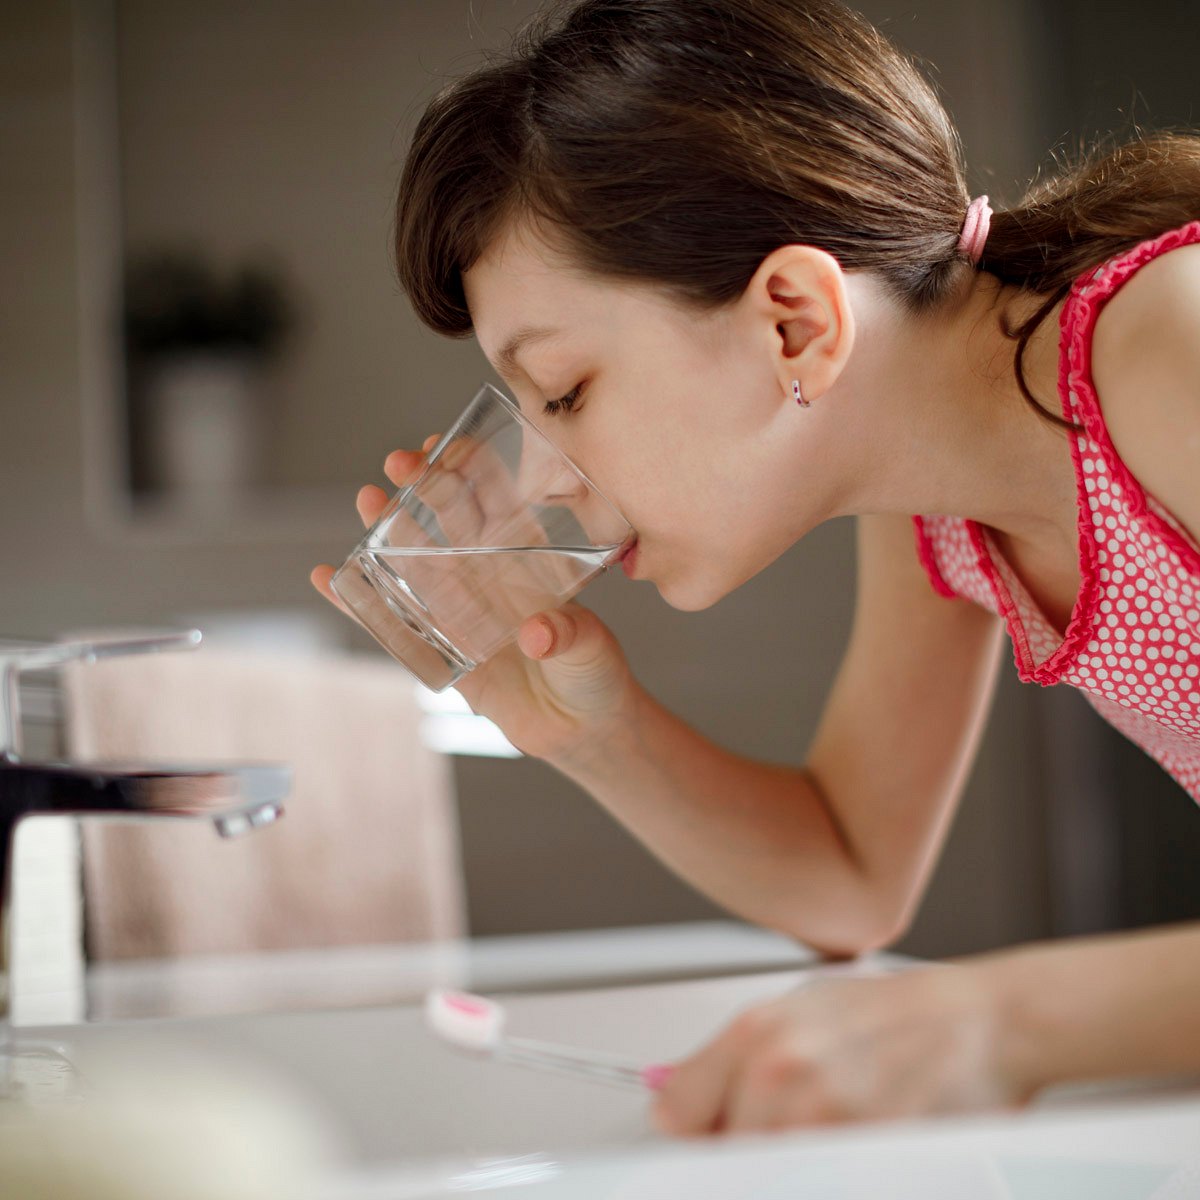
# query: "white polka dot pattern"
{"points": [[1133, 642]]}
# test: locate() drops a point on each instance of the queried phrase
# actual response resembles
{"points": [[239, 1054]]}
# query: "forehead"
{"points": [[526, 281], [522, 281]]}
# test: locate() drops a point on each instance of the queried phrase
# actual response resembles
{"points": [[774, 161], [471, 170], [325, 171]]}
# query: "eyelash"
{"points": [[566, 404]]}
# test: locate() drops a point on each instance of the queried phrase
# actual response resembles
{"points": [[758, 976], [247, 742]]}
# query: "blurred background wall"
{"points": [[273, 132]]}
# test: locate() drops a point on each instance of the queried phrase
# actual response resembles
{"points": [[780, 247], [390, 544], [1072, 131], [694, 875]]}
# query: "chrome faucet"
{"points": [[235, 798]]}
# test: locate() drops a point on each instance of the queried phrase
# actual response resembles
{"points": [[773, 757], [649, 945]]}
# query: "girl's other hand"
{"points": [[927, 1040], [564, 684]]}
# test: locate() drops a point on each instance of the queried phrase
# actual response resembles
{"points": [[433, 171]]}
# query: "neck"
{"points": [[947, 429]]}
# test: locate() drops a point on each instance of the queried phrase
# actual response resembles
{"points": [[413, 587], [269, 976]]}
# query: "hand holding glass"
{"points": [[498, 525]]}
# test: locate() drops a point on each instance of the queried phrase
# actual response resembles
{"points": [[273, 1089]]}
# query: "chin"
{"points": [[693, 598]]}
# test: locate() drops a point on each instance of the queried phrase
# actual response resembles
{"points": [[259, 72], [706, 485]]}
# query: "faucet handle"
{"points": [[17, 656]]}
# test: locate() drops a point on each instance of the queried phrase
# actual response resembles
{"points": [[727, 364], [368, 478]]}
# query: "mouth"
{"points": [[628, 559]]}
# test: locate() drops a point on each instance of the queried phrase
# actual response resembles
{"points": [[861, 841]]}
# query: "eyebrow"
{"points": [[506, 359]]}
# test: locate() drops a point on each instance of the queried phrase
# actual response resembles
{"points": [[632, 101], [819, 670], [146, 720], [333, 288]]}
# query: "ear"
{"points": [[799, 301]]}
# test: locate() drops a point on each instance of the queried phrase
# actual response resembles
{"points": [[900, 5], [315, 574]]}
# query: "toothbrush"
{"points": [[476, 1024]]}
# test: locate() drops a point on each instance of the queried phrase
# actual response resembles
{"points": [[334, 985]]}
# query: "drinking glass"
{"points": [[498, 525]]}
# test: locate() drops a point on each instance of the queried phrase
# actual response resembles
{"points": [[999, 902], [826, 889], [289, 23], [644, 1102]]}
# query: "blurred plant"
{"points": [[175, 303]]}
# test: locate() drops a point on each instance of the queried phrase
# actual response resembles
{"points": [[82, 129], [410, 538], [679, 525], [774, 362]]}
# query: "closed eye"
{"points": [[566, 404]]}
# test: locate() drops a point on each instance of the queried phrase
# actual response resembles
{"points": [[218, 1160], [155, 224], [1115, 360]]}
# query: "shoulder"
{"points": [[1146, 370]]}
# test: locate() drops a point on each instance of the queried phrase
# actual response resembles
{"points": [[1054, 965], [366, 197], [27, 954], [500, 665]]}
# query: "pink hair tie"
{"points": [[975, 228]]}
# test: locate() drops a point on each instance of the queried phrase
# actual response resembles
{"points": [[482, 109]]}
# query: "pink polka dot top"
{"points": [[1132, 645]]}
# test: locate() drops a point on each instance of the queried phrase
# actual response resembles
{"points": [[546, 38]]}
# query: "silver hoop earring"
{"points": [[800, 400]]}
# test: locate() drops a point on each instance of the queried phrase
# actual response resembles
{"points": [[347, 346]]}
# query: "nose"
{"points": [[565, 488], [545, 478]]}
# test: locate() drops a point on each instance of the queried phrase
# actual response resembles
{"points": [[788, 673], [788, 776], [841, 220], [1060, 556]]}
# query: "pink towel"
{"points": [[366, 852]]}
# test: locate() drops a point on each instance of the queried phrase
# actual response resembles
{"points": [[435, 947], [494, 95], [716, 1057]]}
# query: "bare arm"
{"points": [[1118, 1005], [835, 853]]}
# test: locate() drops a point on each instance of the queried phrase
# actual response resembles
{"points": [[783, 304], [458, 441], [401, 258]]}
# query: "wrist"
{"points": [[1115, 1006], [605, 741], [1032, 1007]]}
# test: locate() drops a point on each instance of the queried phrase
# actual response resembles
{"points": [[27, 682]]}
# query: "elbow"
{"points": [[886, 931], [844, 949], [867, 933]]}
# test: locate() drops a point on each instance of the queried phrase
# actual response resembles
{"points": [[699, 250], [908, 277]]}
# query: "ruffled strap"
{"points": [[1080, 403], [925, 553]]}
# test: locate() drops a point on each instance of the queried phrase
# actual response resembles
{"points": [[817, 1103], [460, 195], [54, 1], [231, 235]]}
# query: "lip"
{"points": [[628, 560]]}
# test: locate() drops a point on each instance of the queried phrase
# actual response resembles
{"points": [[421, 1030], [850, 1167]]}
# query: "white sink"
{"points": [[1126, 1153], [415, 1119]]}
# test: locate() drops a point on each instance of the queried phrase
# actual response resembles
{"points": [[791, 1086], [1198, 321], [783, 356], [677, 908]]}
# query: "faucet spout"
{"points": [[235, 798]]}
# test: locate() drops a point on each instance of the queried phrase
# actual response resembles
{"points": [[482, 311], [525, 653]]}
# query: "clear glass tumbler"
{"points": [[498, 525]]}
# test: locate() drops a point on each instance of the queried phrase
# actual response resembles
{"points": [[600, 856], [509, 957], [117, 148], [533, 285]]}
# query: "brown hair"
{"points": [[679, 142]]}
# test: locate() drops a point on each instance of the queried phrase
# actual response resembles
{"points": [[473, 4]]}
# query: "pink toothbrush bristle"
{"points": [[473, 1022], [470, 1005]]}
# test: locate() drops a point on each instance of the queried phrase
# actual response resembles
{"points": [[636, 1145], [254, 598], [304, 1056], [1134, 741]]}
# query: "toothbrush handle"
{"points": [[578, 1068], [584, 1063]]}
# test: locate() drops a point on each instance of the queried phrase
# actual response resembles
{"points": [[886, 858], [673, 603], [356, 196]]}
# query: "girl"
{"points": [[724, 251]]}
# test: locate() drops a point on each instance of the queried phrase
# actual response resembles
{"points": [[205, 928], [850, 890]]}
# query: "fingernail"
{"points": [[656, 1075]]}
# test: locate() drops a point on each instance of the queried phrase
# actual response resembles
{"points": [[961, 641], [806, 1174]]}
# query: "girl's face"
{"points": [[683, 419]]}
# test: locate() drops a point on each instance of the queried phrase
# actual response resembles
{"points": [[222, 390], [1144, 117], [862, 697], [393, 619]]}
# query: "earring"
{"points": [[800, 400]]}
